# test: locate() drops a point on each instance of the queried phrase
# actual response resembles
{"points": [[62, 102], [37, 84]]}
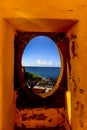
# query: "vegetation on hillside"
{"points": [[32, 78]]}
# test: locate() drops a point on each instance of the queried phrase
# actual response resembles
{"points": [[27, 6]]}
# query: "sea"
{"points": [[46, 72]]}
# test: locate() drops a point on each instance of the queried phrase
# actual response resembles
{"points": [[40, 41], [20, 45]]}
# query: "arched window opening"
{"points": [[32, 88], [41, 62]]}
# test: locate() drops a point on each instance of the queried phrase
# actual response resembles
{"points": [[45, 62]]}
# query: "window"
{"points": [[28, 95], [42, 63]]}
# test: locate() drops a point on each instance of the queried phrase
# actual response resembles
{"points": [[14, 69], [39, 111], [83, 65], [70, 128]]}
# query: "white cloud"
{"points": [[40, 62], [44, 62]]}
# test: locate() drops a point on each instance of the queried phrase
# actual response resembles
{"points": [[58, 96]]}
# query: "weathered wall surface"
{"points": [[77, 77], [40, 118], [78, 52]]}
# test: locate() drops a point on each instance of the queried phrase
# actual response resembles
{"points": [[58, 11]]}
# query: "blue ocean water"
{"points": [[46, 72]]}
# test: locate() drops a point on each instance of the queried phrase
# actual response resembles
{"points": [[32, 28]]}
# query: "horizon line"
{"points": [[41, 66]]}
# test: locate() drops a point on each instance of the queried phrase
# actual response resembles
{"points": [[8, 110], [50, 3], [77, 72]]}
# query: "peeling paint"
{"points": [[74, 86], [81, 116], [40, 117], [81, 91], [73, 49], [50, 120], [74, 44], [69, 58], [80, 109]]}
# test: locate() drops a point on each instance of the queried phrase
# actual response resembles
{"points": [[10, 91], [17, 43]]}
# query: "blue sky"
{"points": [[41, 51]]}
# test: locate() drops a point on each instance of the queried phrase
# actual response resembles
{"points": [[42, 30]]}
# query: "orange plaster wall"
{"points": [[77, 80], [53, 9], [7, 76], [1, 75]]}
